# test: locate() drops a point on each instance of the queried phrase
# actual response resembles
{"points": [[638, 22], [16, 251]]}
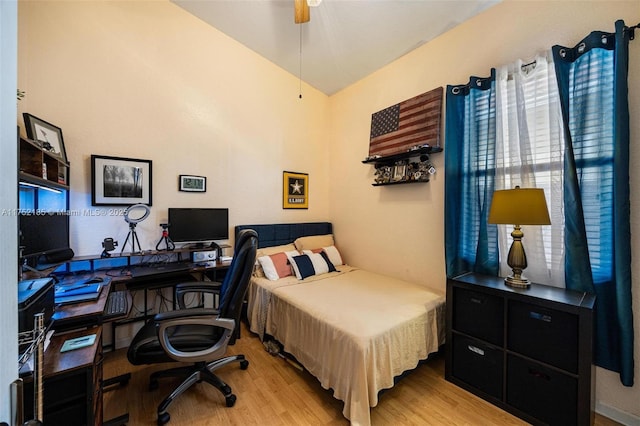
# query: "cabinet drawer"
{"points": [[541, 392], [478, 364], [478, 314], [544, 334]]}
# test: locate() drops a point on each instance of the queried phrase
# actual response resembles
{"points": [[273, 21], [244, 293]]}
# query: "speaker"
{"points": [[56, 256], [204, 256]]}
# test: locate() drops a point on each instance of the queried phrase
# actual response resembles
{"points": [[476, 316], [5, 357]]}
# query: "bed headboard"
{"points": [[284, 233]]}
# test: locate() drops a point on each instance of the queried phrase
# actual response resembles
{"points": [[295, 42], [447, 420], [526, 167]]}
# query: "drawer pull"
{"points": [[540, 317], [539, 374], [476, 350]]}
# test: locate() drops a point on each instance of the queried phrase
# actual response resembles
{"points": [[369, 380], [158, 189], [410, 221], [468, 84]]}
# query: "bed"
{"points": [[354, 330]]}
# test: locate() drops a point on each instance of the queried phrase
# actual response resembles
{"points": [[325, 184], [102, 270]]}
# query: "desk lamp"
{"points": [[519, 206]]}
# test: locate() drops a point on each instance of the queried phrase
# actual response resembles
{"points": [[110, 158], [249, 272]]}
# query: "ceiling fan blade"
{"points": [[301, 11]]}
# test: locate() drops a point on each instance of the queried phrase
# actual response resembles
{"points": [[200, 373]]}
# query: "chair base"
{"points": [[196, 373]]}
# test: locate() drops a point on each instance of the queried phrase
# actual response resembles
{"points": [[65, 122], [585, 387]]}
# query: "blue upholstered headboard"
{"points": [[285, 233]]}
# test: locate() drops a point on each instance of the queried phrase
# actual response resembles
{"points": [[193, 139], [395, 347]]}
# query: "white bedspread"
{"points": [[354, 330]]}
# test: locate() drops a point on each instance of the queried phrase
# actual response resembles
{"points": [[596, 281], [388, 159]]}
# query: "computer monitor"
{"points": [[197, 225], [43, 233]]}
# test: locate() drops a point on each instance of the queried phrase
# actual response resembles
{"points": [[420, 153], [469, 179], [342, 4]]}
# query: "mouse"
{"points": [[94, 280]]}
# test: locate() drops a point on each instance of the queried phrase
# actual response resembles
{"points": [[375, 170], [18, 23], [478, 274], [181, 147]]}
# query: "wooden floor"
{"points": [[273, 392]]}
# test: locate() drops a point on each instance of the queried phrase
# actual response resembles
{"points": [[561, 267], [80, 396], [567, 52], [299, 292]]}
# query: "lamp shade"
{"points": [[519, 206]]}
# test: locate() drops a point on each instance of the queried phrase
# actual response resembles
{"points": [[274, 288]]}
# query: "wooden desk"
{"points": [[83, 314], [72, 382]]}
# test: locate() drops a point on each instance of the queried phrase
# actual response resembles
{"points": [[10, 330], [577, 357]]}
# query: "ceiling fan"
{"points": [[301, 10]]}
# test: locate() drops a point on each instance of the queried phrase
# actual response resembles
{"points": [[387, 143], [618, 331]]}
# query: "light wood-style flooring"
{"points": [[273, 392]]}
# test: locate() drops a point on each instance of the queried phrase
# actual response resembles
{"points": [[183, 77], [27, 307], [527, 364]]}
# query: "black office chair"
{"points": [[199, 335]]}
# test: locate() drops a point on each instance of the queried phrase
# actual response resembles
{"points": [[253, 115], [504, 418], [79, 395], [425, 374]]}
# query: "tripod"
{"points": [[165, 237], [134, 239]]}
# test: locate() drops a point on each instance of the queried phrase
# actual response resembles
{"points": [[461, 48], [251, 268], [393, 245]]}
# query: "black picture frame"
{"points": [[192, 183], [48, 135], [119, 181]]}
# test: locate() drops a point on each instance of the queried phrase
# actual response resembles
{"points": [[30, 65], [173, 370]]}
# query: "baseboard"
{"points": [[617, 415]]}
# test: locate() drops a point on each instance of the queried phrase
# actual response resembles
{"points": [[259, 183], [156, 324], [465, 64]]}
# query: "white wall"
{"points": [[8, 203], [399, 230], [148, 80]]}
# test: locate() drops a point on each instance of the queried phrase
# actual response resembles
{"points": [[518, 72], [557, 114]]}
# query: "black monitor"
{"points": [[43, 233], [189, 225]]}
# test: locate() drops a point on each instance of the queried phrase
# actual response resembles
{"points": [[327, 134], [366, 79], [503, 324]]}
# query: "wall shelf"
{"points": [[403, 155], [40, 166], [400, 169]]}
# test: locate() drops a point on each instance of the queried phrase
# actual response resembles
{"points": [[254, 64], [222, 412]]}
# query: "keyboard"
{"points": [[116, 305]]}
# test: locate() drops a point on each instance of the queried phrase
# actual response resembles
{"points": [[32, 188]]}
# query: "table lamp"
{"points": [[519, 206]]}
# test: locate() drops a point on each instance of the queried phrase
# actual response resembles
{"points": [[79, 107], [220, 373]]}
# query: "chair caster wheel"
{"points": [[163, 418], [244, 364], [230, 400], [153, 385]]}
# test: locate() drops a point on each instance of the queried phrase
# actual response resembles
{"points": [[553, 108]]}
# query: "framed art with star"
{"points": [[295, 190]]}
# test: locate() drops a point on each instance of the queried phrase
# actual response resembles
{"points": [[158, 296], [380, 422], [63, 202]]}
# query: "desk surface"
{"points": [[90, 313], [83, 312], [56, 362]]}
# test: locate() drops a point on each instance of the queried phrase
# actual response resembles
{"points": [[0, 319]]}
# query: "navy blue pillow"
{"points": [[304, 266]]}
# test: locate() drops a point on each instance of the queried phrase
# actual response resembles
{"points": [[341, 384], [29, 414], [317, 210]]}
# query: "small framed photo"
{"points": [[191, 183], [117, 181], [399, 171], [46, 134], [295, 190]]}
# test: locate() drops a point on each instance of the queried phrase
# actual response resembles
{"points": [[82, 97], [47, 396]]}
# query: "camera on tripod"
{"points": [[169, 245]]}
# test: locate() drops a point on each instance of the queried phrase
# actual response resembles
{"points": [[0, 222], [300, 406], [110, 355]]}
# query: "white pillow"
{"points": [[290, 256], [319, 264], [334, 255], [275, 266], [266, 251], [309, 264]]}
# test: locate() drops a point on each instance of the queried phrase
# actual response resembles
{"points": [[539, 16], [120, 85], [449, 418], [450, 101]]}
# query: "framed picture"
{"points": [[399, 171], [295, 190], [190, 183], [119, 181], [48, 135]]}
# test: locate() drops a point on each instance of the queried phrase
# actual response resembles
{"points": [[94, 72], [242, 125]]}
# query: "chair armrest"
{"points": [[182, 289], [165, 321]]}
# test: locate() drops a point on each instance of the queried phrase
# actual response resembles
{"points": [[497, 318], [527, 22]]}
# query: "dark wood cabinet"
{"points": [[527, 351], [72, 388], [40, 166]]}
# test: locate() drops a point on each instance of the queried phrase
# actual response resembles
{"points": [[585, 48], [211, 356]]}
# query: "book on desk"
{"points": [[76, 293]]}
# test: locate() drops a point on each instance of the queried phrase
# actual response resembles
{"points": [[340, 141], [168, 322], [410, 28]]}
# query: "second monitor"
{"points": [[198, 225]]}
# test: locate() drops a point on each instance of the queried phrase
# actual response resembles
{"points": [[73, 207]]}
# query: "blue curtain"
{"points": [[592, 80], [471, 244]]}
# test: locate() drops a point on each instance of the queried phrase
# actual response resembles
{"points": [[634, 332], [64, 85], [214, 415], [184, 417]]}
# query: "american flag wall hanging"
{"points": [[413, 122]]}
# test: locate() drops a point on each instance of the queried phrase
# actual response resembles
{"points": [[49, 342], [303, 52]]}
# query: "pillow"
{"points": [[266, 251], [334, 255], [314, 242], [275, 266], [309, 264], [290, 256]]}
